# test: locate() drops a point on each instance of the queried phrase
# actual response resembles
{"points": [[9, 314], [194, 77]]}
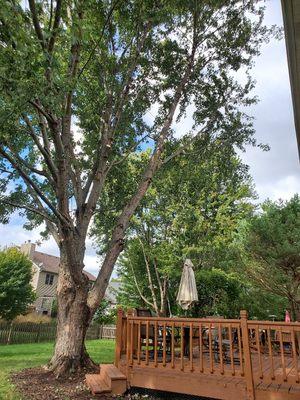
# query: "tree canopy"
{"points": [[193, 210], [16, 292], [271, 250]]}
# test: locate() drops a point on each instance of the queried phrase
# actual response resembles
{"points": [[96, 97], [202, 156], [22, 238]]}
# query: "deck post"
{"points": [[247, 356], [119, 338]]}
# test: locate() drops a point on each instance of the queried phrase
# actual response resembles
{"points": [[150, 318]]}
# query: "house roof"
{"points": [[50, 263], [291, 19]]}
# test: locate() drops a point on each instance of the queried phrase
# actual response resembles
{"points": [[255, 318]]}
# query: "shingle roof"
{"points": [[50, 263]]}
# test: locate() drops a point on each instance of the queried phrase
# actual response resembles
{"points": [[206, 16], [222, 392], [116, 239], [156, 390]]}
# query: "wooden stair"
{"points": [[110, 380]]}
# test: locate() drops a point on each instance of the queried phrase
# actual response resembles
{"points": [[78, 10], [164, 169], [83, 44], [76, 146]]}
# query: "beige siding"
{"points": [[45, 293], [35, 276], [43, 289]]}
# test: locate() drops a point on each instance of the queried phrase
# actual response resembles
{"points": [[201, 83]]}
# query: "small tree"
{"points": [[105, 314], [15, 289], [272, 250]]}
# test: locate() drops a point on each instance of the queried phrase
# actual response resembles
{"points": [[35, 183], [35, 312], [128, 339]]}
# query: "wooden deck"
{"points": [[202, 382], [217, 358]]}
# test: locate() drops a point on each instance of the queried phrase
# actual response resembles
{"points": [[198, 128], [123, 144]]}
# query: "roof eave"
{"points": [[291, 19]]}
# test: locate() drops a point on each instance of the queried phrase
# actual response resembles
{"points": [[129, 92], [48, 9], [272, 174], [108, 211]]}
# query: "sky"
{"points": [[276, 173]]}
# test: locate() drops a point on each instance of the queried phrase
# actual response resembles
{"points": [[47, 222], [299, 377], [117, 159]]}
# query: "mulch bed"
{"points": [[40, 384]]}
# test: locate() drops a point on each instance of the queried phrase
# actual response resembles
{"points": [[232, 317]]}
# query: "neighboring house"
{"points": [[45, 275], [112, 292]]}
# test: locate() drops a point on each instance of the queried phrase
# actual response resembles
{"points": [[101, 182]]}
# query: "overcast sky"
{"points": [[276, 173]]}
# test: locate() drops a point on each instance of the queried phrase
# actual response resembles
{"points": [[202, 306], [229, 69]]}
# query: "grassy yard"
{"points": [[19, 356]]}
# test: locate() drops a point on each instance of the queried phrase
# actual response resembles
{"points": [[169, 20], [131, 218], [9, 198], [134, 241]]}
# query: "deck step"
{"points": [[97, 384], [112, 372], [114, 378]]}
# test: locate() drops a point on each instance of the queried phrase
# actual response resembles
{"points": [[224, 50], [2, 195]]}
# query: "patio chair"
{"points": [[143, 312]]}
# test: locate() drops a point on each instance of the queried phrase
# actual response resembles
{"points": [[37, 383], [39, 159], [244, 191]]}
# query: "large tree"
{"points": [[78, 81]]}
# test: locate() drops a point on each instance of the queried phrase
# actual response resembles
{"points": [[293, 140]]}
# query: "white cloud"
{"points": [[285, 188], [14, 234], [276, 173]]}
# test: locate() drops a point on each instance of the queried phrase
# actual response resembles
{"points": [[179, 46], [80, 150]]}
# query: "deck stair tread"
{"points": [[111, 372], [97, 384]]}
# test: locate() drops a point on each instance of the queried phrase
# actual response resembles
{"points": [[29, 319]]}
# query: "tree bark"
{"points": [[74, 317]]}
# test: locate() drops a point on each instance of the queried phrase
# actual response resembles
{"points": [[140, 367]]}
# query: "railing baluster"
{"points": [[164, 344], [139, 344], [220, 349], [131, 342], [282, 355], [181, 348], [200, 347], [295, 356], [240, 351], [191, 347], [173, 346], [258, 352], [231, 351], [155, 343], [270, 353], [147, 343], [211, 362]]}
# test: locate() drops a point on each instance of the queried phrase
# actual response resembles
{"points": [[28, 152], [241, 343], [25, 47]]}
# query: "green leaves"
{"points": [[271, 250], [16, 292], [192, 209]]}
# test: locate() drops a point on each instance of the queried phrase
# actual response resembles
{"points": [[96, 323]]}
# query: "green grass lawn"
{"points": [[19, 356]]}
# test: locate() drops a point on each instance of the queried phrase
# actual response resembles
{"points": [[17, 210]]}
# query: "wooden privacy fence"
{"points": [[28, 332], [253, 354]]}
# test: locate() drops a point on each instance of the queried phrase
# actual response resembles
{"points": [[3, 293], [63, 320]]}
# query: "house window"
{"points": [[49, 279]]}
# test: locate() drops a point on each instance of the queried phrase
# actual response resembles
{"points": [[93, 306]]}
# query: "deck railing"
{"points": [[255, 351], [276, 347]]}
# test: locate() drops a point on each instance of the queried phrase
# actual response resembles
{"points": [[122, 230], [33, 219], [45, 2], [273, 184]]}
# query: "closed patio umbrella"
{"points": [[187, 293]]}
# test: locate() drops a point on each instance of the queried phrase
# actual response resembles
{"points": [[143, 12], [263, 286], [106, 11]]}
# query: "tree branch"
{"points": [[36, 24], [158, 281], [138, 287], [28, 208], [28, 180], [44, 151], [55, 25], [151, 287]]}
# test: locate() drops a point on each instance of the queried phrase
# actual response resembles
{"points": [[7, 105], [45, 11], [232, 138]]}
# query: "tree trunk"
{"points": [[74, 316]]}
